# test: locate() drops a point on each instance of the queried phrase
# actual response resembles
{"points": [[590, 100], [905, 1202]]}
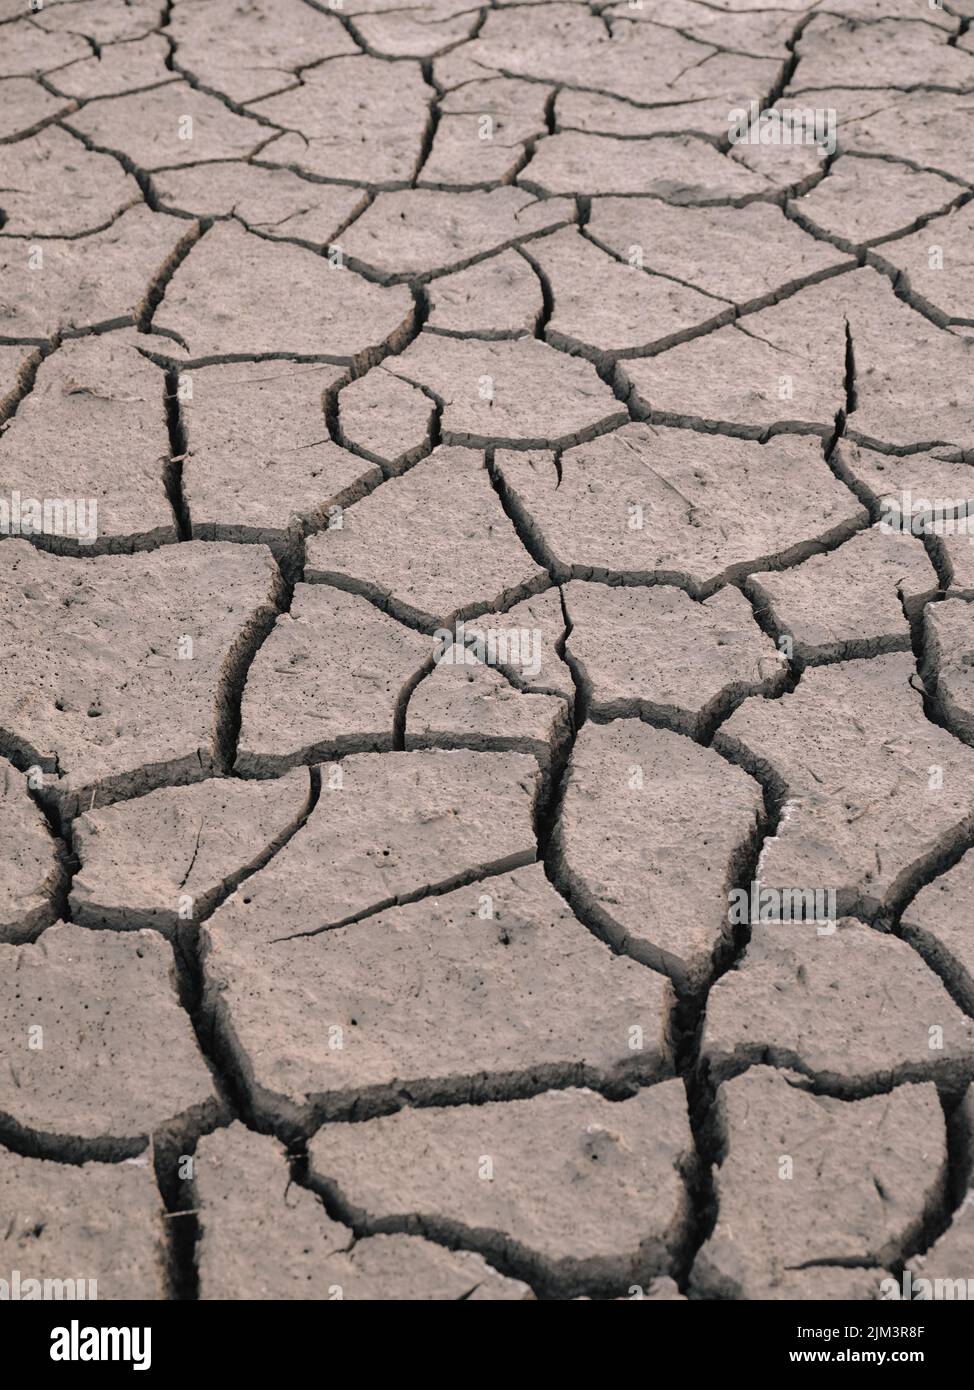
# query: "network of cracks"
{"points": [[467, 521]]}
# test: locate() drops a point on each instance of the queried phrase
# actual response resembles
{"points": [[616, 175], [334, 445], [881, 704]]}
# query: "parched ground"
{"points": [[526, 521]]}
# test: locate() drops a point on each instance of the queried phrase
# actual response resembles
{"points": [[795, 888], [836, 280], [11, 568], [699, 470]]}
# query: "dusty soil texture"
{"points": [[487, 657]]}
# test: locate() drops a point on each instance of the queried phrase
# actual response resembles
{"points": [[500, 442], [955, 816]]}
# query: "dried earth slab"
{"points": [[929, 494], [657, 653], [934, 268], [465, 703], [783, 367], [101, 1056], [847, 344], [873, 793], [381, 147], [53, 186], [464, 157], [28, 49], [855, 601], [289, 1248], [701, 247], [329, 679], [420, 232], [678, 169], [172, 855], [275, 203], [653, 832], [816, 1195], [908, 388], [878, 53], [864, 201], [389, 828], [92, 434], [496, 298], [233, 296], [603, 309], [519, 393], [937, 924], [492, 991], [470, 691], [850, 1006], [943, 1270], [537, 660], [93, 1231], [948, 659], [567, 45], [259, 462], [677, 506], [419, 31], [134, 656], [251, 52], [386, 419], [99, 19], [927, 128], [572, 1190], [116, 69], [96, 282], [30, 861], [429, 546], [169, 126]]}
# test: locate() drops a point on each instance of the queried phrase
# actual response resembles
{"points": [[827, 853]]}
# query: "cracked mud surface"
{"points": [[512, 524]]}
